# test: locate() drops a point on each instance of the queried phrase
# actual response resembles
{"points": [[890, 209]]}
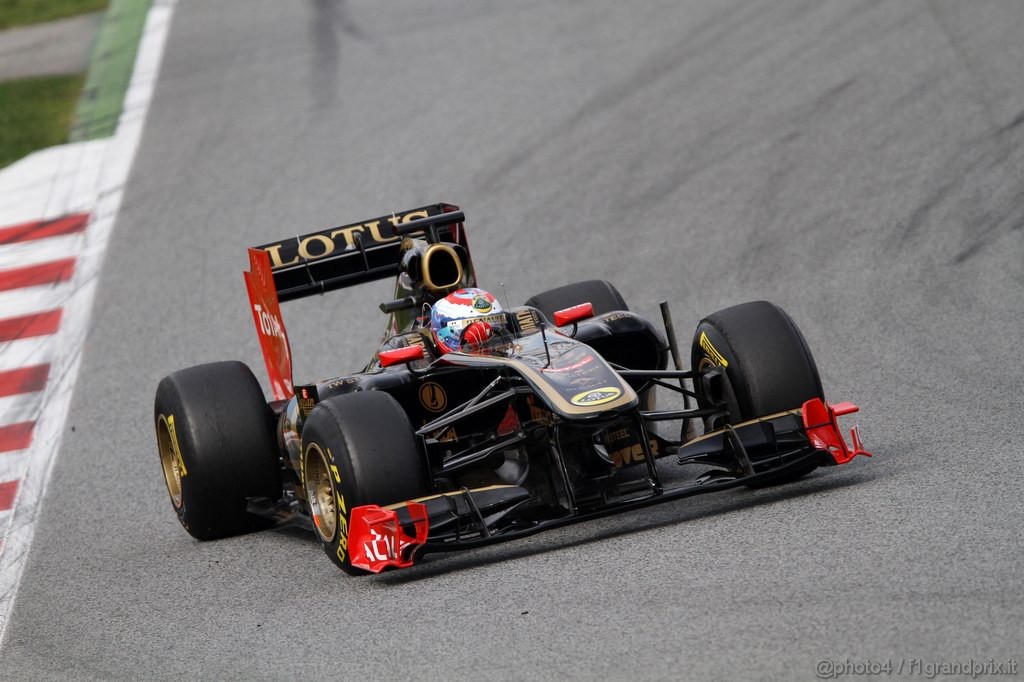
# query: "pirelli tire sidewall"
{"points": [[764, 355], [702, 360], [372, 455], [214, 423]]}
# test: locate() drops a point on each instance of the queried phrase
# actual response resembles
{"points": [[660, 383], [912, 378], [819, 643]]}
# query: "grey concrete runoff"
{"points": [[856, 161], [53, 48]]}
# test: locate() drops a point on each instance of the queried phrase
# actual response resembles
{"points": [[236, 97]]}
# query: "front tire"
{"points": [[216, 442], [357, 449], [769, 367]]}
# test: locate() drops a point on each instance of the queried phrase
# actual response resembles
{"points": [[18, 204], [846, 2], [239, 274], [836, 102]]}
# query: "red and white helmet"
{"points": [[466, 315]]}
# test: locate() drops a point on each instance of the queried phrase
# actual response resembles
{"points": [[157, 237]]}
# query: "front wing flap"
{"points": [[395, 536]]}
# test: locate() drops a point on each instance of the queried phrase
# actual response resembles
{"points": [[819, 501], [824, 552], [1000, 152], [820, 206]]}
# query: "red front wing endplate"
{"points": [[376, 539], [820, 422]]}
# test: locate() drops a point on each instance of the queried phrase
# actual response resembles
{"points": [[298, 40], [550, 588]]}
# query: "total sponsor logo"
{"points": [[269, 324]]}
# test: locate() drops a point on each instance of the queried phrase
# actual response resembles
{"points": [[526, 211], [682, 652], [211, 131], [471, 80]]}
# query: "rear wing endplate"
{"points": [[266, 313]]}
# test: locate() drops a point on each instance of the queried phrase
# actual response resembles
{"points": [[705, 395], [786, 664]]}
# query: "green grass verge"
{"points": [[36, 113], [110, 69], [21, 12]]}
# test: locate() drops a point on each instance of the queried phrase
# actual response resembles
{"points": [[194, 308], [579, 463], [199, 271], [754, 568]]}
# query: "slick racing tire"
{"points": [[767, 361], [216, 440], [601, 294], [357, 449]]}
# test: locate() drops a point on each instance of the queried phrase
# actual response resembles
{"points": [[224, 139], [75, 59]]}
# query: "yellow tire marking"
{"points": [[713, 354], [174, 444]]}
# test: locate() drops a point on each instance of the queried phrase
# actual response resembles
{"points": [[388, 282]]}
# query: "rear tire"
{"points": [[767, 361], [216, 443], [601, 294], [357, 449]]}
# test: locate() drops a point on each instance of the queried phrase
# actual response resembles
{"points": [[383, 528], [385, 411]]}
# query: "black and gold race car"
{"points": [[549, 421]]}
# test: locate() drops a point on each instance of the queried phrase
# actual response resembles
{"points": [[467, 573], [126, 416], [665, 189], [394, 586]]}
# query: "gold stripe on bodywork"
{"points": [[454, 493], [796, 413], [542, 385]]}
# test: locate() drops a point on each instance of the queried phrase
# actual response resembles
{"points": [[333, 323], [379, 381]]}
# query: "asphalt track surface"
{"points": [[860, 163]]}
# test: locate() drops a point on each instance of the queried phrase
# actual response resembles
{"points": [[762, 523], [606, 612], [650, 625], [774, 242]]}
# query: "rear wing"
{"points": [[332, 259], [343, 256]]}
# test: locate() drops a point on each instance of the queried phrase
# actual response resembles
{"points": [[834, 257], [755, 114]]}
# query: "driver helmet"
{"points": [[455, 313]]}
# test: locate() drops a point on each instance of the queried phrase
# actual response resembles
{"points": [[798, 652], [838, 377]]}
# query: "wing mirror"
{"points": [[400, 355], [573, 314]]}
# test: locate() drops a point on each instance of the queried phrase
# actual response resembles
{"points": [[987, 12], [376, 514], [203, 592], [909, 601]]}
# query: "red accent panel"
{"points": [[266, 313], [400, 355], [509, 423], [573, 314], [376, 539], [823, 430], [37, 324], [23, 380], [16, 436], [844, 408], [8, 491], [37, 275], [41, 229]]}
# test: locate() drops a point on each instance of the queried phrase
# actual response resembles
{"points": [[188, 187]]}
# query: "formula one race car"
{"points": [[473, 424]]}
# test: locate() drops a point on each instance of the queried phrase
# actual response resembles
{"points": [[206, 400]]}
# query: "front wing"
{"points": [[758, 451]]}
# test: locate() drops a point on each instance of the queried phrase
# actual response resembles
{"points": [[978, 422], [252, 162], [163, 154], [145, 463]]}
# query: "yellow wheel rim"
{"points": [[171, 466]]}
